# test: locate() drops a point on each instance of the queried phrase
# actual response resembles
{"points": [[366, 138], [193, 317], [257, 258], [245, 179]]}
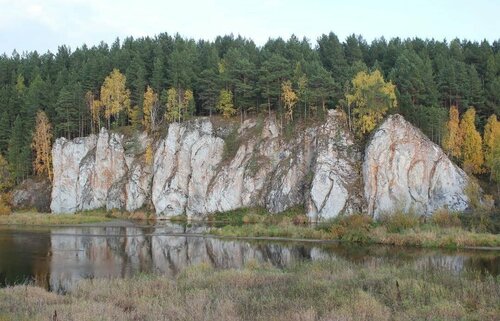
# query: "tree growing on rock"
{"points": [[115, 97], [371, 97], [180, 104], [289, 98], [452, 140], [472, 149], [225, 103], [42, 146], [149, 107]]}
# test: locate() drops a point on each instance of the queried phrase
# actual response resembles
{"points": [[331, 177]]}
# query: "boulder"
{"points": [[32, 193]]}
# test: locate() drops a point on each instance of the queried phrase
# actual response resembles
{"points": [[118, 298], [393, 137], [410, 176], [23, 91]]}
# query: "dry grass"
{"points": [[33, 218], [323, 290], [443, 230]]}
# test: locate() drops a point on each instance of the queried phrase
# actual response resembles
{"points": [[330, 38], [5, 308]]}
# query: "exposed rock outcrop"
{"points": [[337, 183], [198, 168], [32, 193], [96, 172], [404, 170]]}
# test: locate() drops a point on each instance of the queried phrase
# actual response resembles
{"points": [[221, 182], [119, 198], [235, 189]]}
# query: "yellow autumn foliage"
{"points": [[173, 112], [42, 145], [115, 97], [149, 154], [371, 97], [491, 134], [150, 100], [452, 140], [472, 151], [289, 98], [225, 103]]}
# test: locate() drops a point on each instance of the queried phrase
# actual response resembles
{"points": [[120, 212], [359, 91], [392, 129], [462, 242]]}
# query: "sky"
{"points": [[42, 25]]}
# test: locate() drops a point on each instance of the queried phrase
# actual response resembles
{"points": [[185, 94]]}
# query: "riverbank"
{"points": [[33, 218], [443, 230], [323, 290]]}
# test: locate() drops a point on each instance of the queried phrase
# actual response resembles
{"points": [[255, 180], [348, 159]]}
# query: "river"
{"points": [[57, 257]]}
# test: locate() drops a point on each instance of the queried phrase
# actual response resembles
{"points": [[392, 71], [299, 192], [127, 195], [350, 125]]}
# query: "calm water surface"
{"points": [[58, 257]]}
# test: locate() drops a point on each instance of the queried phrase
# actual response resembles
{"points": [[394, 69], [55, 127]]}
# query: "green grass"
{"points": [[33, 218], [395, 229], [322, 290]]}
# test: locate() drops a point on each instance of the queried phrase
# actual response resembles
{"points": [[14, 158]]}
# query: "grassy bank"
{"points": [[444, 229], [33, 218], [323, 290]]}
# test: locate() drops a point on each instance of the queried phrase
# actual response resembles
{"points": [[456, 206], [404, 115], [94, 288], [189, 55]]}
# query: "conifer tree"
{"points": [[4, 131], [18, 153]]}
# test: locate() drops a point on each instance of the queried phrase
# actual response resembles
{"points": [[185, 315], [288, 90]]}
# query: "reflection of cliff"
{"points": [[96, 252], [93, 252], [121, 252]]}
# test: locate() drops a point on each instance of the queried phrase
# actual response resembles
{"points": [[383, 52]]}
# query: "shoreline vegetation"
{"points": [[320, 290], [442, 230]]}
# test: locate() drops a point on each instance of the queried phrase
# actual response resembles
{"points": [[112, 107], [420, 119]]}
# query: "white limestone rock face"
{"points": [[404, 170], [92, 173], [336, 182], [67, 157], [184, 164], [138, 186]]}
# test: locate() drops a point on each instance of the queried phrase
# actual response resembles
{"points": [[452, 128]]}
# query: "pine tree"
{"points": [[452, 141], [42, 146], [472, 151], [18, 153], [4, 131]]}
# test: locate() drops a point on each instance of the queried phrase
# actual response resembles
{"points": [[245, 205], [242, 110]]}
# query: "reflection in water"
{"points": [[59, 257]]}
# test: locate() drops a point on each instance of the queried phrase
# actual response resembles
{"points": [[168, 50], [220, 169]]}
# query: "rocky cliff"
{"points": [[403, 169], [200, 168]]}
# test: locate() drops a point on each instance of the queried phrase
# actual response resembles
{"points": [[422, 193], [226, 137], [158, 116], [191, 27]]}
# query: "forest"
{"points": [[170, 78]]}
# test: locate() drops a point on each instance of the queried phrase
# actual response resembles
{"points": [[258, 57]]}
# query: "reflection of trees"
{"points": [[71, 254], [17, 262]]}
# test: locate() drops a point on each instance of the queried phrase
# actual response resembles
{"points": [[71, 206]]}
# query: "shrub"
{"points": [[399, 221], [4, 207], [445, 218], [353, 228], [300, 219], [251, 218], [231, 145]]}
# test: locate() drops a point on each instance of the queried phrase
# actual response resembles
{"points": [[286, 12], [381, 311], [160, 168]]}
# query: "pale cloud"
{"points": [[45, 24]]}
